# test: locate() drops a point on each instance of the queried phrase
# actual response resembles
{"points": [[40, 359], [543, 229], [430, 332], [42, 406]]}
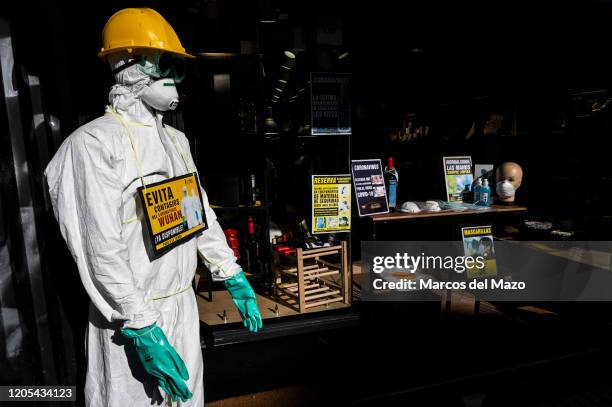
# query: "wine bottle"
{"points": [[253, 192], [391, 183], [252, 249]]}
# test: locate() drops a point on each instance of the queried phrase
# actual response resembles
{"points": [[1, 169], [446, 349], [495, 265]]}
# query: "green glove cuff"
{"points": [[134, 333], [238, 286]]}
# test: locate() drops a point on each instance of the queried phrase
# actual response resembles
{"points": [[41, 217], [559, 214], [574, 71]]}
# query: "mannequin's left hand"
{"points": [[244, 298]]}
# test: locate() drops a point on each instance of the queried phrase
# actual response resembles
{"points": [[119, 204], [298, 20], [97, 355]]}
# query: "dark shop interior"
{"points": [[223, 251]]}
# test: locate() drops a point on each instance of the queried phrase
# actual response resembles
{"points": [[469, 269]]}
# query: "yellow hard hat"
{"points": [[140, 28]]}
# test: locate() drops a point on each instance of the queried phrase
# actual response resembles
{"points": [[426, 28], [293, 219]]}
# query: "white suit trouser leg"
{"points": [[115, 377]]}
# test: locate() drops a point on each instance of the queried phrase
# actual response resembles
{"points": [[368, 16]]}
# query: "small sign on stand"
{"points": [[369, 184]]}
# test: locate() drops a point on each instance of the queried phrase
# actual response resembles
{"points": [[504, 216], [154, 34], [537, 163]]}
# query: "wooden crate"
{"points": [[314, 279]]}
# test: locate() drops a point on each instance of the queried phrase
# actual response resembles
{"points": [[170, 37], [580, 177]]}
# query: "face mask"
{"points": [[505, 189], [161, 95]]}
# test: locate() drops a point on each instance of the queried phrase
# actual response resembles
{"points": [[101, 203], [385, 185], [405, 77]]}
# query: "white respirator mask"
{"points": [[505, 189], [161, 95]]}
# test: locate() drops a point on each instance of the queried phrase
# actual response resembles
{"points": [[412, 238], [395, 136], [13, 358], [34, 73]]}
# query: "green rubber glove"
{"points": [[160, 360], [244, 297]]}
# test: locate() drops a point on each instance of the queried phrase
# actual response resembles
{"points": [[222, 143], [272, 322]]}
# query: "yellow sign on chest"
{"points": [[159, 196]]}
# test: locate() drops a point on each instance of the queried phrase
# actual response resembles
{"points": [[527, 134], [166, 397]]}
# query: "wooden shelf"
{"points": [[401, 216], [305, 286]]}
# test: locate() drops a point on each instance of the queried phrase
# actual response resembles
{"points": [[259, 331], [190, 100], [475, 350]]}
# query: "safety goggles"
{"points": [[158, 66]]}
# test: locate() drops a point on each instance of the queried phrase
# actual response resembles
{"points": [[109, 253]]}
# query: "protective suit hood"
{"points": [[125, 96]]}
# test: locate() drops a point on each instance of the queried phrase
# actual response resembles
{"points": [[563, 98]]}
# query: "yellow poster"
{"points": [[478, 243], [331, 203], [173, 210]]}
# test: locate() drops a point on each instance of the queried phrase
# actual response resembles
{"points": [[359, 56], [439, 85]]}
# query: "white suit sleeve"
{"points": [[86, 195]]}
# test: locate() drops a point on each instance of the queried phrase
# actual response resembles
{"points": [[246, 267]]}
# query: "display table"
{"points": [[402, 216], [398, 217]]}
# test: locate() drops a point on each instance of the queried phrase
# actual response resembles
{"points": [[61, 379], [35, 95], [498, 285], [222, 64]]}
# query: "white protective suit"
{"points": [[92, 183]]}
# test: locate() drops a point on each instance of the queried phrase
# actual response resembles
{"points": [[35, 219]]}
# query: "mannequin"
{"points": [[143, 337], [508, 178]]}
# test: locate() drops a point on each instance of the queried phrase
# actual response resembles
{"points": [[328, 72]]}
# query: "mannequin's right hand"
{"points": [[160, 360]]}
